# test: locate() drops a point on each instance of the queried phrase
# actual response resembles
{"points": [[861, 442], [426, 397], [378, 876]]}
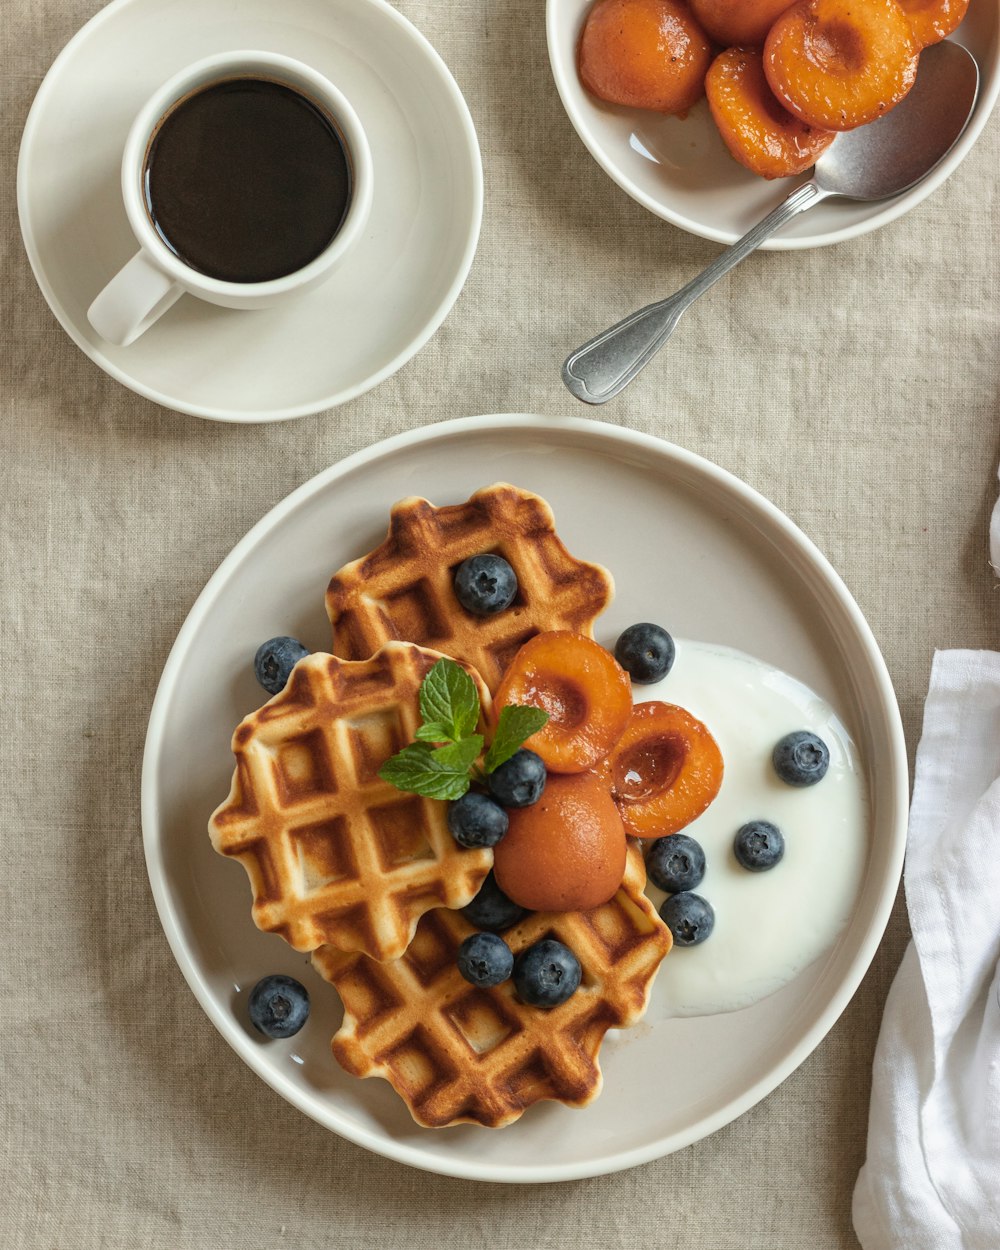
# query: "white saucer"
{"points": [[688, 545], [330, 345]]}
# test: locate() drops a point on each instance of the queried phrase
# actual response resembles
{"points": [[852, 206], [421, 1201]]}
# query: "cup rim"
{"points": [[248, 63]]}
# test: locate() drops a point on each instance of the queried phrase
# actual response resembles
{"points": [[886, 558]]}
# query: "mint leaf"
{"points": [[448, 697], [434, 732], [449, 708], [516, 724], [407, 766], [459, 754], [419, 769]]}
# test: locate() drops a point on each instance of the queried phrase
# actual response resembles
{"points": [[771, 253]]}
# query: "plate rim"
{"points": [[235, 416], [895, 207], [896, 790]]}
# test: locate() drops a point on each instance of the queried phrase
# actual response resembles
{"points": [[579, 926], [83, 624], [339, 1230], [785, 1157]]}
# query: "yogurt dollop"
{"points": [[770, 925]]}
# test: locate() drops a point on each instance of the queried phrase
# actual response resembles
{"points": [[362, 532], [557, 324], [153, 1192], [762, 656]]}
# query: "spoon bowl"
{"points": [[887, 157], [873, 162]]}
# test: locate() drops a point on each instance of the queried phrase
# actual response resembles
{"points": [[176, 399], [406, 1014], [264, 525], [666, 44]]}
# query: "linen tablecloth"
{"points": [[856, 386]]}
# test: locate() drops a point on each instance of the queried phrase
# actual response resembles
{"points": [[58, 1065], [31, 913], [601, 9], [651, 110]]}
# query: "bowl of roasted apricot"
{"points": [[707, 111]]}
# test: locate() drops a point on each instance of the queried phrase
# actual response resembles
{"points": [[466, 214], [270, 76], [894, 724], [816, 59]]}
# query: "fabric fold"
{"points": [[931, 1180]]}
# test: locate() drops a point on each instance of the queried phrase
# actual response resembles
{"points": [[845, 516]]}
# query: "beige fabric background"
{"points": [[856, 386]]}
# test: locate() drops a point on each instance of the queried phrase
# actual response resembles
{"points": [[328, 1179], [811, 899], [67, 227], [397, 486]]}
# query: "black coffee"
{"points": [[246, 180]]}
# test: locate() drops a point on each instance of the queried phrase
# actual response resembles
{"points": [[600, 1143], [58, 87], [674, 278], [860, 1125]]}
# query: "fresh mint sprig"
{"points": [[442, 762], [449, 701], [515, 725], [441, 773]]}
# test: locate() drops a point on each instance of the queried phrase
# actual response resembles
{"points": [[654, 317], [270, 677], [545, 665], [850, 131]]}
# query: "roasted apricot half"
{"points": [[738, 23], [584, 689], [759, 131], [838, 64], [933, 20], [567, 851], [647, 54], [665, 771]]}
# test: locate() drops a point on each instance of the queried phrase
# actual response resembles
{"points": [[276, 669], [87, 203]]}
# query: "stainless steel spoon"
{"points": [[873, 162]]}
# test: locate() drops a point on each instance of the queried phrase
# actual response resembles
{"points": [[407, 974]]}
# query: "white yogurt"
{"points": [[768, 925]]}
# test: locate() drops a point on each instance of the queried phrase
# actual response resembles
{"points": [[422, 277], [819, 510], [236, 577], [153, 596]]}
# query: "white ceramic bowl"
{"points": [[728, 568], [680, 169]]}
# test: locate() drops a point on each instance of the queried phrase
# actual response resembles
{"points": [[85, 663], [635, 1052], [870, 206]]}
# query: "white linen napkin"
{"points": [[931, 1180]]}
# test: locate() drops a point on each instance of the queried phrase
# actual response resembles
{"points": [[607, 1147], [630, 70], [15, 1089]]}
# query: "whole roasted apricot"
{"points": [[647, 54], [758, 130], [567, 851], [585, 691], [666, 769], [838, 64], [742, 23], [933, 20]]}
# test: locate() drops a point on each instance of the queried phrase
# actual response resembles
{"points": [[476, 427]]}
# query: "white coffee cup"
{"points": [[156, 277]]}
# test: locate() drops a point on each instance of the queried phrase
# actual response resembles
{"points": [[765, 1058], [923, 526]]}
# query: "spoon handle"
{"points": [[604, 366]]}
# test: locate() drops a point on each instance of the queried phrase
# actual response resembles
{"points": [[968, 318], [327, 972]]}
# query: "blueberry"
{"points": [[476, 820], [675, 863], [801, 758], [278, 1006], [546, 974], [689, 918], [485, 959], [275, 660], [645, 652], [485, 584], [758, 845], [519, 781], [492, 909]]}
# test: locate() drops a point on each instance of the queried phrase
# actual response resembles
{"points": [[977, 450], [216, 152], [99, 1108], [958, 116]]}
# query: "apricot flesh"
{"points": [[759, 132], [933, 20], [648, 54], [837, 64], [567, 851], [585, 691], [665, 771], [742, 23]]}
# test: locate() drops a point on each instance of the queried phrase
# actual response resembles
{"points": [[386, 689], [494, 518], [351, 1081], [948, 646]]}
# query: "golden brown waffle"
{"points": [[334, 854], [459, 1054], [403, 589]]}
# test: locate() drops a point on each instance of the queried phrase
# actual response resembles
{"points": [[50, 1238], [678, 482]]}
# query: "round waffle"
{"points": [[404, 588], [459, 1054], [334, 854]]}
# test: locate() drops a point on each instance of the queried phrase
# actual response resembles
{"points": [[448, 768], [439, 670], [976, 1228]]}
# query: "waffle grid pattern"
{"points": [[404, 588], [334, 854], [459, 1054]]}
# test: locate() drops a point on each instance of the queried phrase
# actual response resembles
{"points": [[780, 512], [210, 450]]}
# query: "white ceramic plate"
{"points": [[327, 346], [680, 169], [689, 545]]}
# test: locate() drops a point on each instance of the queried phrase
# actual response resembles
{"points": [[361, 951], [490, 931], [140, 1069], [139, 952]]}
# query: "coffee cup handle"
{"points": [[136, 296]]}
